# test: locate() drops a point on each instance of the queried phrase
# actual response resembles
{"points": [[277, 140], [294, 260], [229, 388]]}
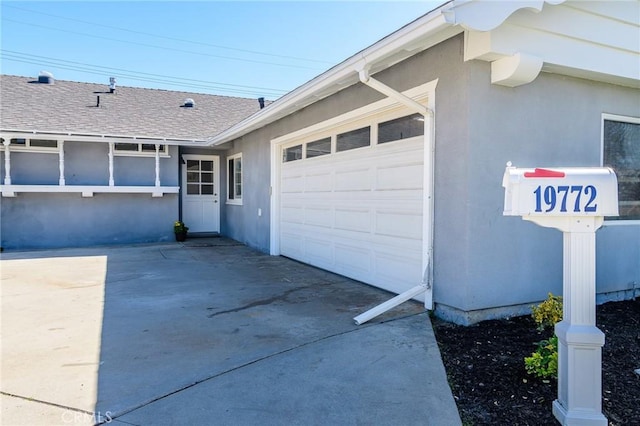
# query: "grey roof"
{"points": [[67, 106]]}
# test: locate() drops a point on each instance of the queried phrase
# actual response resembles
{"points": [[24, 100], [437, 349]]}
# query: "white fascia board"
{"points": [[418, 35], [582, 39], [488, 15], [94, 137]]}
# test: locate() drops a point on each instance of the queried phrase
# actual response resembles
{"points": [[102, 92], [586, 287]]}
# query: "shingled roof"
{"points": [[68, 106]]}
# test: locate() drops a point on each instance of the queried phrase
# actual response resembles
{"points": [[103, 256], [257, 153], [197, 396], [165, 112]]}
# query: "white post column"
{"points": [[61, 158], [7, 162], [157, 165], [111, 181], [579, 340]]}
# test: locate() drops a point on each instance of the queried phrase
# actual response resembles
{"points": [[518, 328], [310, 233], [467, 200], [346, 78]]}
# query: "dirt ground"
{"points": [[485, 368]]}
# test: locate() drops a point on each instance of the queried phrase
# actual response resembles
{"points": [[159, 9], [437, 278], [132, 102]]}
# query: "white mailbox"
{"points": [[574, 200], [566, 191]]}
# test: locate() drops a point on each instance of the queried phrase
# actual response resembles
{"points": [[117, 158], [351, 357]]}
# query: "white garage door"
{"points": [[357, 213]]}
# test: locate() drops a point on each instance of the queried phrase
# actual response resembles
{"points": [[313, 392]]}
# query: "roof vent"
{"points": [[45, 77], [112, 84], [189, 103], [261, 102]]}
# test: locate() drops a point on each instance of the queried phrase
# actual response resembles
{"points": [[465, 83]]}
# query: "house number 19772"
{"points": [[562, 195]]}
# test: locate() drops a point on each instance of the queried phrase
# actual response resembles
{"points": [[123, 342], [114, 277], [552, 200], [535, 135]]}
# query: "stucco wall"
{"points": [[40, 220], [554, 121]]}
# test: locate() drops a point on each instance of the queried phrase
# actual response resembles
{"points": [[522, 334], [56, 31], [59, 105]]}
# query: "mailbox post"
{"points": [[575, 201]]}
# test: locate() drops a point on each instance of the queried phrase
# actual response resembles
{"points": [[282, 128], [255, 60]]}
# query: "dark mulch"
{"points": [[485, 368]]}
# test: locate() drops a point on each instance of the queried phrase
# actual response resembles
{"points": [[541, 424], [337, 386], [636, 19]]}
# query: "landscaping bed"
{"points": [[485, 368]]}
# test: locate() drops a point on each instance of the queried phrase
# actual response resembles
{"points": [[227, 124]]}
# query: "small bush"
{"points": [[543, 362], [548, 313]]}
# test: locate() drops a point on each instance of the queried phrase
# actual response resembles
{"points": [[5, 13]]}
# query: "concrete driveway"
{"points": [[208, 332]]}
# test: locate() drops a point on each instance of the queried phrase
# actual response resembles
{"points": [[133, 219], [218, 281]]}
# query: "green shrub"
{"points": [[548, 313], [543, 362]]}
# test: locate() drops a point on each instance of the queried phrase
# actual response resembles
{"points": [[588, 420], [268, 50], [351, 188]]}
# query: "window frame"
{"points": [[13, 147], [622, 119], [232, 161], [163, 152]]}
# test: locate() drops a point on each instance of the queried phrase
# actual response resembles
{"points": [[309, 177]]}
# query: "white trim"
{"points": [[348, 120], [88, 190], [99, 138], [217, 186], [235, 201], [621, 119]]}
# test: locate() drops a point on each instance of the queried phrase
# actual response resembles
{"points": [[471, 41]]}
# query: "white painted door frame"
{"points": [[207, 218]]}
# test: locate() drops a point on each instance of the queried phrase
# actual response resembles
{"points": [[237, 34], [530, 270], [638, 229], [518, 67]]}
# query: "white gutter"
{"points": [[426, 286], [424, 32], [97, 137]]}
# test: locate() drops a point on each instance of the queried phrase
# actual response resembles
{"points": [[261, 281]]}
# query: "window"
{"points": [[292, 153], [37, 145], [319, 147], [142, 149], [621, 146], [401, 128], [354, 139], [234, 180], [200, 177]]}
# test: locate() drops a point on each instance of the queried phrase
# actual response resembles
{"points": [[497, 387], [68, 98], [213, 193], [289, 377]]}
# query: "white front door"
{"points": [[201, 192]]}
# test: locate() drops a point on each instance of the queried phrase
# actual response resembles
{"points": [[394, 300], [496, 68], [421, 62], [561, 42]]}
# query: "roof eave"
{"points": [[421, 34]]}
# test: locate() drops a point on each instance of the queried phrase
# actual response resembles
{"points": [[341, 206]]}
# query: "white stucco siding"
{"points": [[357, 213]]}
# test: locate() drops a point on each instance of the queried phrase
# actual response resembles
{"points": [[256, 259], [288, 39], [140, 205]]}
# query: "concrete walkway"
{"points": [[208, 332]]}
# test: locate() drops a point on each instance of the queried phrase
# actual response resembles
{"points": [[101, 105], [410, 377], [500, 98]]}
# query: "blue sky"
{"points": [[238, 48]]}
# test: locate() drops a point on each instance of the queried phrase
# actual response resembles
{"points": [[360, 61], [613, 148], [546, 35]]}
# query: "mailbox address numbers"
{"points": [[551, 197]]}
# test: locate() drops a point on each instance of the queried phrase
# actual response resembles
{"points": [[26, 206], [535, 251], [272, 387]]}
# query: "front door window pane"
{"points": [[193, 189], [200, 177]]}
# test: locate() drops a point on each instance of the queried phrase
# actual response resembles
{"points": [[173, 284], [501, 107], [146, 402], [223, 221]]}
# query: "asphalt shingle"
{"points": [[67, 106]]}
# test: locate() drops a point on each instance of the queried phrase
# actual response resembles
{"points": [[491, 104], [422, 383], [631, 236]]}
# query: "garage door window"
{"points": [[354, 139], [318, 148], [621, 144], [292, 153], [401, 128]]}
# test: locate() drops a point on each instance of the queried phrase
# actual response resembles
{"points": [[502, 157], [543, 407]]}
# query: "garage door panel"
{"points": [[399, 177], [318, 216], [321, 182], [354, 261], [357, 213], [291, 214], [292, 245], [353, 180], [293, 184], [318, 251], [399, 224], [358, 220]]}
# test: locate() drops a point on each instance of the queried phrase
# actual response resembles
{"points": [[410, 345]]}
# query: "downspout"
{"points": [[426, 286]]}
